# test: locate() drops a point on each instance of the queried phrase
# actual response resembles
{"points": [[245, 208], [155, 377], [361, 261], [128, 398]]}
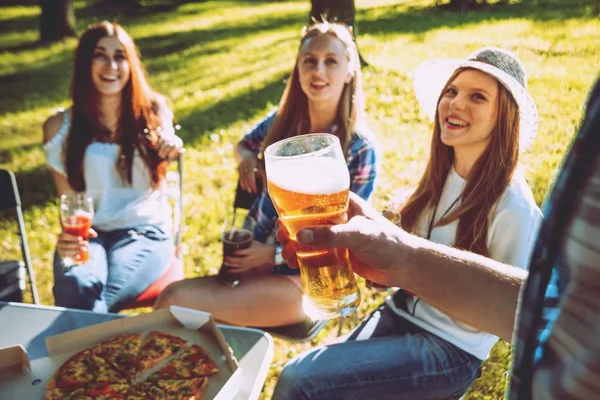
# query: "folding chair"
{"points": [[12, 280], [175, 271], [301, 331]]}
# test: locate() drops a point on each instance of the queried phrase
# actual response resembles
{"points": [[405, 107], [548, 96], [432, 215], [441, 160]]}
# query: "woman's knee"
{"points": [[173, 294], [295, 380], [77, 291]]}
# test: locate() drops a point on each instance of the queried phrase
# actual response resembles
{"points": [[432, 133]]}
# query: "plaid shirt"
{"points": [[557, 342], [363, 165]]}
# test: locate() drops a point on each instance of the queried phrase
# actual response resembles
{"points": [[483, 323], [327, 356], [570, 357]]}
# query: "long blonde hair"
{"points": [[292, 116], [485, 184]]}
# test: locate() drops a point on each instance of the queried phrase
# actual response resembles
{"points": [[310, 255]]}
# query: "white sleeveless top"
{"points": [[117, 204]]}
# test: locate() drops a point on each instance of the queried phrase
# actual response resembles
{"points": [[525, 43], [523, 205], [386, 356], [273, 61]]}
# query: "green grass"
{"points": [[223, 65]]}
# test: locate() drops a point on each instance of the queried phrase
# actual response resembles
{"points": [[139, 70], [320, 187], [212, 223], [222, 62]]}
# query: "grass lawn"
{"points": [[223, 65]]}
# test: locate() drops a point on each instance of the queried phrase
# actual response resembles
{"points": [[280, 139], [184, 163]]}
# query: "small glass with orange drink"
{"points": [[76, 214]]}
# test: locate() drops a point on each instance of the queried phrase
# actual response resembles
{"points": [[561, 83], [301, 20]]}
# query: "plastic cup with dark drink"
{"points": [[238, 233]]}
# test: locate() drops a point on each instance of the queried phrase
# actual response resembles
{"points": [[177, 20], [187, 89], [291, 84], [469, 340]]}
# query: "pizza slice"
{"points": [[56, 393], [192, 363], [101, 391], [83, 369], [122, 353], [156, 347], [169, 389], [107, 391]]}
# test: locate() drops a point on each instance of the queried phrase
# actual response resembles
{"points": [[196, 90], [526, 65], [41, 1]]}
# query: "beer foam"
{"points": [[309, 175]]}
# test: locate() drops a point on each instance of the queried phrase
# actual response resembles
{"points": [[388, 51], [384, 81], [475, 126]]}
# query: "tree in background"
{"points": [[57, 20], [336, 10]]}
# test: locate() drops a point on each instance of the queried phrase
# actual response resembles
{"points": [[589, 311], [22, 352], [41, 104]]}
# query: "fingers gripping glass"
{"points": [[76, 215], [308, 182]]}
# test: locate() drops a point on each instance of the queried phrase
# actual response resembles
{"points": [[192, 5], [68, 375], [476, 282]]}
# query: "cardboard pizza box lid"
{"points": [[20, 377], [14, 356], [15, 373]]}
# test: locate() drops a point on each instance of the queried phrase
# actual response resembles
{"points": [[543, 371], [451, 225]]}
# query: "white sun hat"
{"points": [[431, 77]]}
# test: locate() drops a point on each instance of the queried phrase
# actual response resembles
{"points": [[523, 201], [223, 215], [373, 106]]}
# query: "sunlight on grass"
{"points": [[11, 13], [223, 65]]}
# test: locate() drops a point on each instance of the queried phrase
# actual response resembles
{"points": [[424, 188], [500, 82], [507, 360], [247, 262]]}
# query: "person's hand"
{"points": [[392, 208], [168, 146], [249, 169], [258, 255], [69, 246], [374, 243]]}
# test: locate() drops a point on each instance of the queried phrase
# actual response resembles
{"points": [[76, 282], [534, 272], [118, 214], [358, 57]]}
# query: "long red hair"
{"points": [[487, 180], [139, 110], [292, 116]]}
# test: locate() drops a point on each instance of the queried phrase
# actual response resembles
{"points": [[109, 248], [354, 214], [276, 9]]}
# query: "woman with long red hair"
{"points": [[471, 196], [113, 144]]}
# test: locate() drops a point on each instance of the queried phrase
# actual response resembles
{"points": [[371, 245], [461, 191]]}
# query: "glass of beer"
{"points": [[237, 234], [308, 182], [76, 214]]}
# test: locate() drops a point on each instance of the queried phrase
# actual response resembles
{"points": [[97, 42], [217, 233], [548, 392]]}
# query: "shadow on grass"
{"points": [[419, 20], [200, 122], [35, 187], [46, 82], [19, 24], [42, 83], [162, 45]]}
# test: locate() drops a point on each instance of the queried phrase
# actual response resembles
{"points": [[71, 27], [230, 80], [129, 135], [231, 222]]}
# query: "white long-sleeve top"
{"points": [[512, 227]]}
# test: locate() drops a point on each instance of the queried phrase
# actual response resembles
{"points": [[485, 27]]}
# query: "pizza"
{"points": [[100, 391], [83, 369], [156, 347], [193, 362], [112, 369], [121, 353], [170, 389]]}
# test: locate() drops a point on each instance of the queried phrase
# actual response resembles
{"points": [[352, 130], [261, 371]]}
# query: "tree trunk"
{"points": [[336, 10], [57, 20]]}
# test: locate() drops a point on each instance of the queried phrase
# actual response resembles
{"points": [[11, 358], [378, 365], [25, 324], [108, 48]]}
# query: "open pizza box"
{"points": [[21, 378]]}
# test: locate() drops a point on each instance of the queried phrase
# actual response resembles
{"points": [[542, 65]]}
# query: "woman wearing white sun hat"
{"points": [[470, 196]]}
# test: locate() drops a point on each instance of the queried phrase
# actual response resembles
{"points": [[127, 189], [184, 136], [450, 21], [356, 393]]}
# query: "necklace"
{"points": [[443, 215], [402, 296]]}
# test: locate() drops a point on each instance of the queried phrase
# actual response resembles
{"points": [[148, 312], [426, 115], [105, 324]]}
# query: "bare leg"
{"points": [[261, 301]]}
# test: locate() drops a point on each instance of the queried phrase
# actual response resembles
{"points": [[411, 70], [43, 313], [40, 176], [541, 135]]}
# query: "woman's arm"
{"points": [[512, 231], [363, 167], [473, 289], [50, 129], [246, 154], [169, 144], [67, 245]]}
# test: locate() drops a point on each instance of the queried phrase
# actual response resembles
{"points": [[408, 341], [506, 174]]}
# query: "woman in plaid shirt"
{"points": [[324, 94]]}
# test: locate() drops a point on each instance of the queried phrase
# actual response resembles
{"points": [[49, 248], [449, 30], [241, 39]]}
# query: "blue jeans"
{"points": [[123, 263], [398, 361]]}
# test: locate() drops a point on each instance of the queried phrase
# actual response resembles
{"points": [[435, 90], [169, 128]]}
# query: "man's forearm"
{"points": [[471, 288]]}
